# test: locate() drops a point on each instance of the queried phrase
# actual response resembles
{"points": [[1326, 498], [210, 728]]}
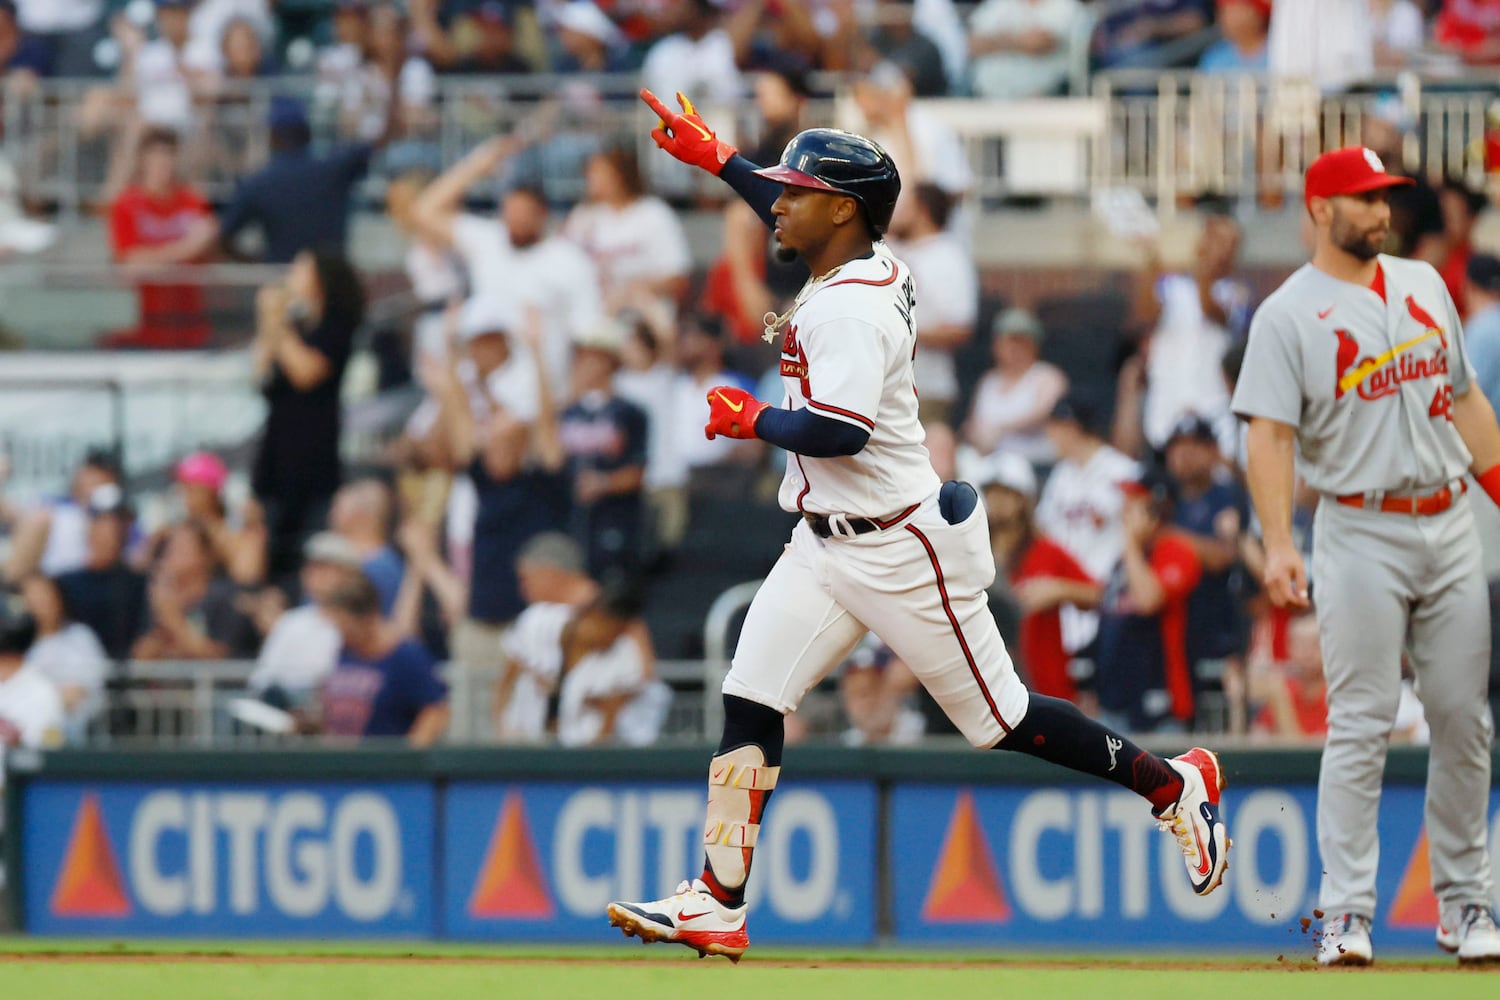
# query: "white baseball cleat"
{"points": [[1474, 938], [1346, 941], [1193, 821], [690, 917]]}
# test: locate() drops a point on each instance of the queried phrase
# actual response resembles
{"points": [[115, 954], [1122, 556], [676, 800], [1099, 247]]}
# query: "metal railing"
{"points": [[187, 703]]}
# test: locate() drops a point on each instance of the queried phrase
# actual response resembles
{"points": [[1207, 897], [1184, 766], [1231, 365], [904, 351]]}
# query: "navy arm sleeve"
{"points": [[810, 434], [759, 193]]}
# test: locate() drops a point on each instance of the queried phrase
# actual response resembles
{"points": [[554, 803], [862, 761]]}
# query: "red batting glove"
{"points": [[1489, 480], [686, 137], [732, 412]]}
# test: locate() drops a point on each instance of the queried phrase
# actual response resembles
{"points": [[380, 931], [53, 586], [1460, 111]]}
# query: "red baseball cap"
{"points": [[1351, 170], [1263, 6]]}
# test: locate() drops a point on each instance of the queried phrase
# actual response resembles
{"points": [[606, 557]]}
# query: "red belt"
{"points": [[1423, 506]]}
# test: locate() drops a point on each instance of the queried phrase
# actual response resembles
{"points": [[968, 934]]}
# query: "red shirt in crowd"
{"points": [[171, 315], [1464, 25], [1040, 641], [1177, 567]]}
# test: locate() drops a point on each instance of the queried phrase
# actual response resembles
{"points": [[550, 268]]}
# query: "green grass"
{"points": [[64, 970]]}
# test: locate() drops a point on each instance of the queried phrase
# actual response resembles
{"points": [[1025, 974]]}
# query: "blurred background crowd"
{"points": [[428, 332]]}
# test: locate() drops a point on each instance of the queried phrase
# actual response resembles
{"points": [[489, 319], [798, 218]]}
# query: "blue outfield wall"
{"points": [[859, 846]]}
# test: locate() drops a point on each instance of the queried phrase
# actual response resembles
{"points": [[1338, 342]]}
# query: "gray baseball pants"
{"points": [[1383, 582]]}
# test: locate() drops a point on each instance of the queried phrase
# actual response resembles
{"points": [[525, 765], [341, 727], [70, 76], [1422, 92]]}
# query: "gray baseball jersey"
{"points": [[1366, 375]]}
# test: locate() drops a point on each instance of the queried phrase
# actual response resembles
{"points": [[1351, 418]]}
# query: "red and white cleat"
{"points": [[1474, 937], [690, 917], [1194, 822]]}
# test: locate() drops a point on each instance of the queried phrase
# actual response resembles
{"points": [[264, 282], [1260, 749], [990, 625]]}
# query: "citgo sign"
{"points": [[1018, 864], [228, 859], [541, 860]]}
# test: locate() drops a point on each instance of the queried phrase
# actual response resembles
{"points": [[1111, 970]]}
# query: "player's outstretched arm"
{"points": [[687, 137]]}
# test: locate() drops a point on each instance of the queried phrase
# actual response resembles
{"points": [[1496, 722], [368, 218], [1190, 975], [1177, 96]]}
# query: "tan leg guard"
{"points": [[739, 783]]}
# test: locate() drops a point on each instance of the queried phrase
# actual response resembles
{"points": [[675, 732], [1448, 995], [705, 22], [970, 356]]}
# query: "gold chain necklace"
{"points": [[774, 322]]}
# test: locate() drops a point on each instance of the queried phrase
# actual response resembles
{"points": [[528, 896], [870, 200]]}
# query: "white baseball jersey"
{"points": [[1366, 375], [1080, 510], [847, 354], [534, 644]]}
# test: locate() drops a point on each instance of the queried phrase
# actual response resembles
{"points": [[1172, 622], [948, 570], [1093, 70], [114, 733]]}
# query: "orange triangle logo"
{"points": [[89, 883], [510, 882], [1415, 905], [965, 887]]}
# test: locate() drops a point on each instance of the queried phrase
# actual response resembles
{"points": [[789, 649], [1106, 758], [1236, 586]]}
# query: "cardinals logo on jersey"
{"points": [[1382, 375]]}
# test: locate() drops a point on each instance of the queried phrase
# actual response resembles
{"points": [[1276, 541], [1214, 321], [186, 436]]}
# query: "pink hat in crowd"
{"points": [[203, 468]]}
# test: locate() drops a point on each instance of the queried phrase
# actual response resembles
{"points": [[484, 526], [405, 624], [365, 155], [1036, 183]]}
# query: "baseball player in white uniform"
{"points": [[1358, 362], [881, 542]]}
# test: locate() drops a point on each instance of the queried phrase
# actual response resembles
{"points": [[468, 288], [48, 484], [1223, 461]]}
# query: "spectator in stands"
{"points": [[23, 58], [589, 41], [1081, 503], [748, 280], [944, 270], [1461, 208], [212, 20], [1152, 34], [493, 50], [1293, 695], [337, 64], [298, 201], [605, 437], [1399, 31], [66, 652], [240, 50], [1193, 318], [1013, 400], [362, 514], [899, 40], [1023, 48], [1244, 26], [1417, 225], [304, 336], [875, 687], [1210, 512], [1471, 28], [397, 89], [767, 31], [555, 585], [695, 54], [925, 149], [507, 442], [31, 710], [239, 547], [1040, 575], [196, 613], [647, 379], [151, 224], [105, 593], [67, 31], [1329, 44], [53, 537], [302, 647], [634, 239], [1144, 678], [700, 364], [514, 257], [432, 269], [608, 692], [385, 685], [1482, 327]]}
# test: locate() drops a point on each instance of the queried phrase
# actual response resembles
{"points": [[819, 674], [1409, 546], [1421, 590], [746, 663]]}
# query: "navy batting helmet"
{"points": [[830, 159]]}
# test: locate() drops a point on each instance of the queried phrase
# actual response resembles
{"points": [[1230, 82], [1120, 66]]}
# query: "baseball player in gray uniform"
{"points": [[1358, 363]]}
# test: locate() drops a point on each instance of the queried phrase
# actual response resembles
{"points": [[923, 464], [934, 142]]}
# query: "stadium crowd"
{"points": [[549, 480]]}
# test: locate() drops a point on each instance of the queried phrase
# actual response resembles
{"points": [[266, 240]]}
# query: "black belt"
{"points": [[821, 526]]}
